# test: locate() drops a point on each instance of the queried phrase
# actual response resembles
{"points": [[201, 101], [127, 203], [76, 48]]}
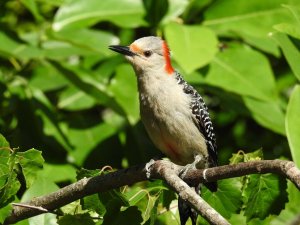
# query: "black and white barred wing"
{"points": [[202, 119]]}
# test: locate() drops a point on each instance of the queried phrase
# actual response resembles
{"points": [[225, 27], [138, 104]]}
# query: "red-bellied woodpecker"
{"points": [[172, 111]]}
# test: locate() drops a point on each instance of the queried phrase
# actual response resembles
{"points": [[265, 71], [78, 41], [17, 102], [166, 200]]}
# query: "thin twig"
{"points": [[33, 207]]}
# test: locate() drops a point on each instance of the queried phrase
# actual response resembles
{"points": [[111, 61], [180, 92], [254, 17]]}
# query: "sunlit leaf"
{"points": [[243, 78], [46, 78], [11, 47], [195, 47], [3, 142], [94, 40], [124, 88], [89, 86], [74, 14], [58, 172], [41, 186], [290, 52], [5, 212], [176, 8], [267, 113], [293, 124], [31, 162], [73, 99], [254, 18], [93, 135]]}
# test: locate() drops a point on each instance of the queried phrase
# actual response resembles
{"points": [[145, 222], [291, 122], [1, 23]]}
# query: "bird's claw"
{"points": [[185, 169], [147, 168], [192, 165]]}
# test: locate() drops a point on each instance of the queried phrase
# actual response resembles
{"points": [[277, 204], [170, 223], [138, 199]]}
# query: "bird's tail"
{"points": [[186, 211]]}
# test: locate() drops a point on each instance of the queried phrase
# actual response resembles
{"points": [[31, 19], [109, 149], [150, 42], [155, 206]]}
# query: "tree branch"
{"points": [[159, 170]]}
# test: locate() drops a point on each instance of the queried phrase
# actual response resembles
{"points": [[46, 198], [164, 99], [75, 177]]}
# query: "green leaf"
{"points": [[255, 81], [254, 18], [75, 14], [267, 113], [73, 99], [167, 197], [124, 88], [11, 47], [261, 195], [77, 219], [93, 136], [129, 216], [56, 50], [290, 52], [41, 186], [257, 221], [44, 110], [256, 155], [150, 213], [155, 10], [291, 29], [295, 11], [175, 9], [237, 219], [9, 184], [135, 195], [9, 189], [5, 212], [194, 48], [46, 78], [94, 40], [31, 161], [3, 142], [89, 86], [228, 197], [291, 211], [82, 173], [114, 197], [241, 156], [58, 172], [92, 202], [266, 45], [292, 123], [31, 5]]}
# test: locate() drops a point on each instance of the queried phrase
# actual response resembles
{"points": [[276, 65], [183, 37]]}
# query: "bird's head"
{"points": [[147, 53]]}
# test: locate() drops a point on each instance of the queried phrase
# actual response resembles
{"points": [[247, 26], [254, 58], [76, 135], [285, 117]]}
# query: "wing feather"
{"points": [[202, 119]]}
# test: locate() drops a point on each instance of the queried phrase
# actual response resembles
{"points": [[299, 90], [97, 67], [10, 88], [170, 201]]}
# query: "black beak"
{"points": [[121, 49]]}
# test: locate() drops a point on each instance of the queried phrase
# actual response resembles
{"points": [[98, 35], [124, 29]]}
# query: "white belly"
{"points": [[169, 122]]}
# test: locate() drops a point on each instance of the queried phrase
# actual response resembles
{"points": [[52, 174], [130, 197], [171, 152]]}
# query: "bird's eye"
{"points": [[147, 53]]}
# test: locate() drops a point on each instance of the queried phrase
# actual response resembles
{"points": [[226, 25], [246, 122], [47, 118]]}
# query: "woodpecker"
{"points": [[172, 111]]}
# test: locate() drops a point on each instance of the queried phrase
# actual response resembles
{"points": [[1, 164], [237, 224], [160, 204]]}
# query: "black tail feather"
{"points": [[212, 186], [186, 211]]}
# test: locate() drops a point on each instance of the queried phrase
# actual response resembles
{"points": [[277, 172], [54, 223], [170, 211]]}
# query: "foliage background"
{"points": [[66, 95]]}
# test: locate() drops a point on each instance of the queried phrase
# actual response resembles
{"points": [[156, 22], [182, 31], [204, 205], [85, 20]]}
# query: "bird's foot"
{"points": [[148, 168], [190, 166]]}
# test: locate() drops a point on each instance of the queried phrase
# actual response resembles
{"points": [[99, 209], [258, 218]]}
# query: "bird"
{"points": [[174, 114]]}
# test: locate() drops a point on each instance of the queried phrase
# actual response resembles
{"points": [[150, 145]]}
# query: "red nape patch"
{"points": [[168, 67]]}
